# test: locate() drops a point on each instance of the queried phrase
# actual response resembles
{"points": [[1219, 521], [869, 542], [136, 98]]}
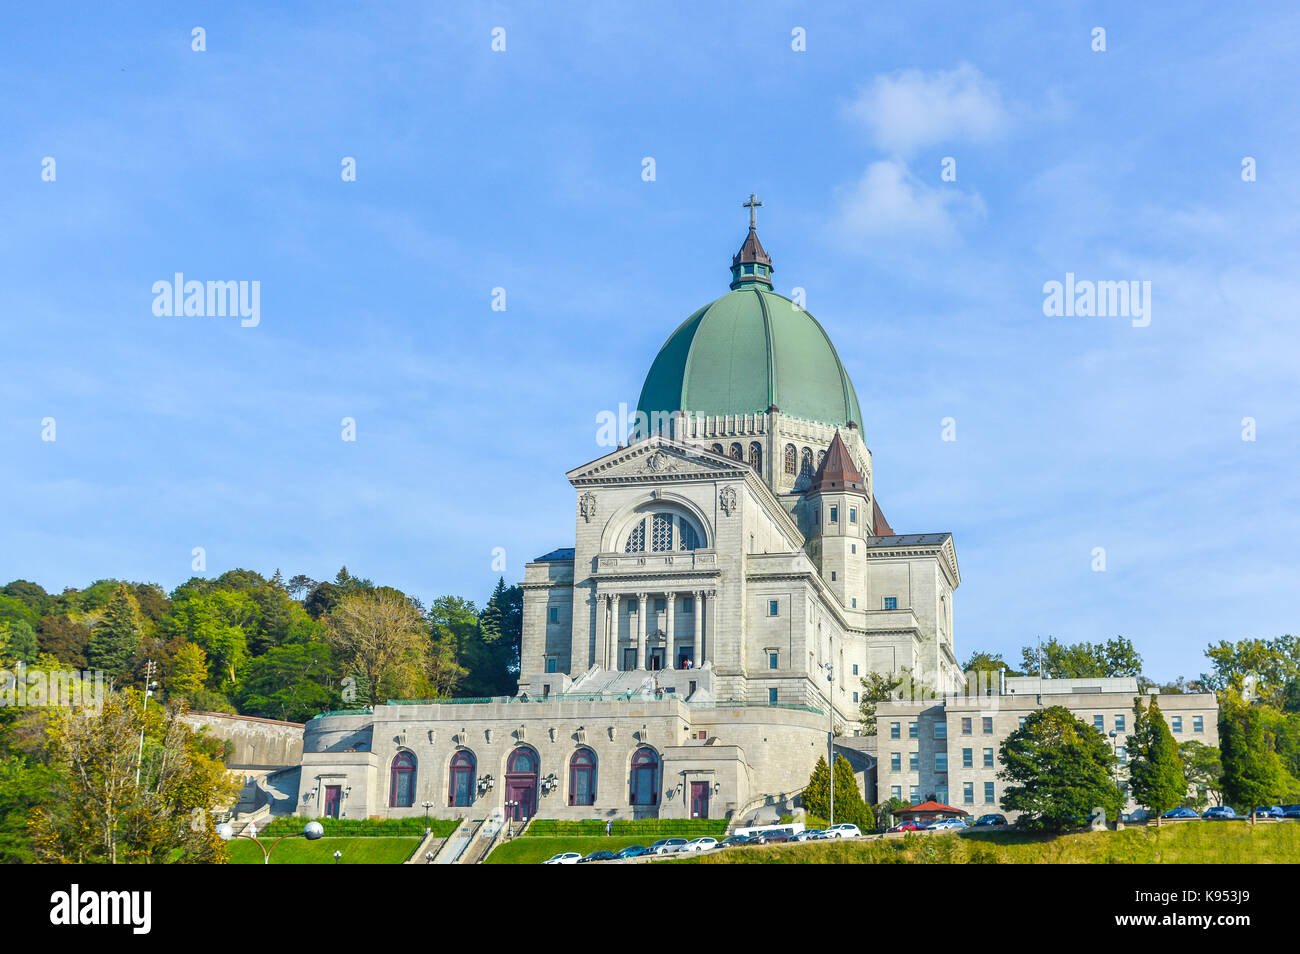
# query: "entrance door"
{"points": [[521, 798], [629, 660], [700, 799], [656, 660], [333, 798]]}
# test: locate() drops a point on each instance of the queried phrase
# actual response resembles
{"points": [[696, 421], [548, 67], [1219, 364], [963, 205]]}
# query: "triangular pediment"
{"points": [[656, 459]]}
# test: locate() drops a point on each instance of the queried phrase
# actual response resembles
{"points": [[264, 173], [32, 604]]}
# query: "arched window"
{"points": [[666, 532], [805, 462], [756, 456], [737, 453], [821, 456], [460, 793], [522, 762], [687, 539], [645, 777], [401, 791], [789, 460], [717, 449], [582, 778]]}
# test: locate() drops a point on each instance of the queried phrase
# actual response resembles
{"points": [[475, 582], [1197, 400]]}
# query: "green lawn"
{"points": [[300, 851], [1196, 843], [535, 850]]}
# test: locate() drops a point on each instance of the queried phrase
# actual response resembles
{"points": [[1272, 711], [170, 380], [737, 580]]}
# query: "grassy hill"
{"points": [[299, 851], [1196, 843]]}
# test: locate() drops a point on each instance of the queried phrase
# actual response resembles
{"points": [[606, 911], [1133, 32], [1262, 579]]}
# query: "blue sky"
{"points": [[522, 170]]}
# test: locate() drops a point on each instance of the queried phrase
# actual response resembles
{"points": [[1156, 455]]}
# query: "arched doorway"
{"points": [[460, 793], [645, 778], [582, 778], [521, 784], [401, 791]]}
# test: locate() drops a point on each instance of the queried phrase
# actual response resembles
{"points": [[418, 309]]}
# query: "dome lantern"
{"points": [[751, 265]]}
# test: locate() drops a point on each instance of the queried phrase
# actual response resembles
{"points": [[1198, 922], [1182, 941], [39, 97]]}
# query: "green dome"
{"points": [[750, 350]]}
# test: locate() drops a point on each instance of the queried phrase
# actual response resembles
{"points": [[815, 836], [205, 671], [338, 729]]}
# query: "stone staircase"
{"points": [[457, 843]]}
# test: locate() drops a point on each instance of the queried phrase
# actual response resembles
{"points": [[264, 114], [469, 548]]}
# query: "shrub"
{"points": [[365, 827], [654, 828]]}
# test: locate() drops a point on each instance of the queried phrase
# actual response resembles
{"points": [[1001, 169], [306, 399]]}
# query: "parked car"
{"points": [[666, 846], [947, 824], [1180, 813], [1220, 813], [844, 831], [632, 851], [1291, 811], [699, 844], [1267, 811], [808, 834], [908, 826], [564, 858], [598, 856], [737, 841], [771, 838], [991, 819]]}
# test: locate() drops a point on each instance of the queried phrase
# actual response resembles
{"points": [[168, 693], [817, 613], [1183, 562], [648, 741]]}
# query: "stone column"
{"points": [[611, 632], [671, 603], [712, 631], [642, 599], [600, 652], [698, 651]]}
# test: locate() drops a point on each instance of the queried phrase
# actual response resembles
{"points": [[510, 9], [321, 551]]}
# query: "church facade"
{"points": [[732, 579]]}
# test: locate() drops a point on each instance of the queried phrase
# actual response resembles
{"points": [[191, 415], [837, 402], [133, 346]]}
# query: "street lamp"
{"points": [[426, 806], [338, 856], [311, 831], [428, 857]]}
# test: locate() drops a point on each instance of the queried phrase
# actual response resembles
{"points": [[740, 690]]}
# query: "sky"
{"points": [[523, 169]]}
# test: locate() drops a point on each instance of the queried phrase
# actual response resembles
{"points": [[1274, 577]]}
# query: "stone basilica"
{"points": [[732, 578]]}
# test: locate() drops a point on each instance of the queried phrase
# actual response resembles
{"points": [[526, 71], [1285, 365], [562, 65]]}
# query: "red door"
{"points": [[699, 799], [333, 796], [523, 794]]}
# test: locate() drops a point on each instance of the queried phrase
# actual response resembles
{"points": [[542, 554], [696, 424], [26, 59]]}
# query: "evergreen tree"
{"points": [[1156, 770], [114, 641], [1061, 769], [850, 808], [1251, 770]]}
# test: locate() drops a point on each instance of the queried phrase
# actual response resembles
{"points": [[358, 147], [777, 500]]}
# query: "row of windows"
{"points": [[941, 793], [940, 760], [986, 726], [805, 460], [522, 769]]}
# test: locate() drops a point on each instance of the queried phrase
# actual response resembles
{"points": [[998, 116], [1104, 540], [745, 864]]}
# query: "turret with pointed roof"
{"points": [[837, 470]]}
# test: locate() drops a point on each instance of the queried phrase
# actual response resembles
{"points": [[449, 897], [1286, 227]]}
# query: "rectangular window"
{"points": [[968, 792], [895, 730], [912, 732], [853, 515], [772, 660], [915, 793], [855, 697], [967, 758], [914, 761], [773, 607], [1177, 723], [965, 725], [941, 761], [1198, 723], [988, 793], [896, 761], [688, 604], [896, 791], [1022, 721], [988, 725], [555, 614], [941, 794], [1099, 723], [660, 605], [551, 664], [835, 514], [855, 602], [853, 548], [771, 697], [1121, 752], [1119, 723], [832, 576], [891, 602], [988, 758], [855, 669], [941, 730]]}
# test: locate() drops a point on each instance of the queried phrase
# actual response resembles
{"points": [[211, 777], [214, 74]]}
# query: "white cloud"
{"points": [[911, 109], [889, 200]]}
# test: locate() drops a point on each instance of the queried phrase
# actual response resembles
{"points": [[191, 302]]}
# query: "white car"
{"points": [[947, 823], [564, 858], [666, 846], [843, 831], [699, 844]]}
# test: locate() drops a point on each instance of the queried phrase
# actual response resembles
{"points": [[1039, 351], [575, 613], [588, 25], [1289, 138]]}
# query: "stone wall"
{"points": [[258, 743]]}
